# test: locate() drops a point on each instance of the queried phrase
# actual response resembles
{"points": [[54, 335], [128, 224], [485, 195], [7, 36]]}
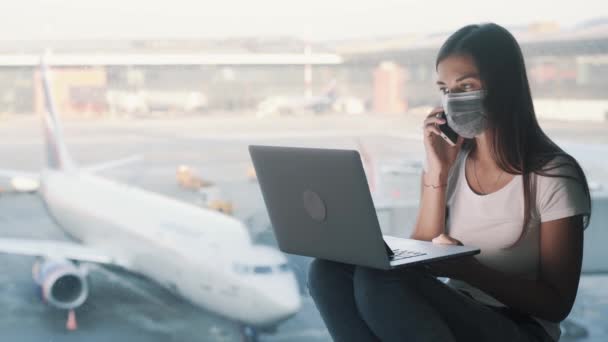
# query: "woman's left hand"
{"points": [[445, 239], [458, 268]]}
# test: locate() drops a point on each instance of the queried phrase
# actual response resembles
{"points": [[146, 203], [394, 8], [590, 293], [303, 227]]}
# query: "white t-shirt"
{"points": [[495, 221]]}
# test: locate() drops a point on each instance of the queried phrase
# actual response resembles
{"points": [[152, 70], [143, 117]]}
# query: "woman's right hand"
{"points": [[440, 156]]}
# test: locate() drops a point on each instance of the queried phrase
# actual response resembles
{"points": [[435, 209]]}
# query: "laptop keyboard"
{"points": [[404, 254]]}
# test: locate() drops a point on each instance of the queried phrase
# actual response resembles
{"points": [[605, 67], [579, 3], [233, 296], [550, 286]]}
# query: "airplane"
{"points": [[289, 105], [206, 257]]}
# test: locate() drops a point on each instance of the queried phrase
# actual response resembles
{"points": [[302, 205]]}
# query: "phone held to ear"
{"points": [[447, 133]]}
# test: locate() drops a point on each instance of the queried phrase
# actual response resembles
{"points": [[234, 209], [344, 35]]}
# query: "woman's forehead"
{"points": [[456, 67]]}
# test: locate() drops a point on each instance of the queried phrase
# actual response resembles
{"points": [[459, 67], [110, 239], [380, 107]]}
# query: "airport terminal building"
{"points": [[382, 75]]}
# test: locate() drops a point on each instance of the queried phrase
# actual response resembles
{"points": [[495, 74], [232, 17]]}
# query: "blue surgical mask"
{"points": [[465, 113]]}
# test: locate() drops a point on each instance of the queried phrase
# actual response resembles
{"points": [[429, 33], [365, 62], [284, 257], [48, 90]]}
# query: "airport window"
{"points": [[124, 162]]}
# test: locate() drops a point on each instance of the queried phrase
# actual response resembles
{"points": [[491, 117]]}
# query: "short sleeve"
{"points": [[560, 195]]}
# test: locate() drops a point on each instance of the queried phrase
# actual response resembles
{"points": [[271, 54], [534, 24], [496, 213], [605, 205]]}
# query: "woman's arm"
{"points": [[552, 295], [439, 159], [431, 213]]}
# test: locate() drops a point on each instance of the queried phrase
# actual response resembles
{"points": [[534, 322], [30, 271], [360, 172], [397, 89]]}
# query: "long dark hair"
{"points": [[519, 146]]}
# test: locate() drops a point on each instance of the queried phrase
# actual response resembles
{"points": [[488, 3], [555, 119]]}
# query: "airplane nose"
{"points": [[285, 300], [290, 305], [285, 308]]}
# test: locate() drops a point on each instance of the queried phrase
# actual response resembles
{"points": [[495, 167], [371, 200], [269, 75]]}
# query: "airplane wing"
{"points": [[113, 163], [57, 249], [90, 168]]}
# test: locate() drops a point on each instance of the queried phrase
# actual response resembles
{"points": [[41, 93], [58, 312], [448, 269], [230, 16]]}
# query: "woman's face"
{"points": [[457, 74]]}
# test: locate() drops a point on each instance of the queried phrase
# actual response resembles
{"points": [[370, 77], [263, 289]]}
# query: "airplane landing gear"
{"points": [[249, 333]]}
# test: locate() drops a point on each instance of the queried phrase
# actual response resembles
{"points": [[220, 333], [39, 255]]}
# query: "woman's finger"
{"points": [[435, 111], [430, 129], [434, 120]]}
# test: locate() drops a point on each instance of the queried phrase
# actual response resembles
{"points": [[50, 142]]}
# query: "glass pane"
{"points": [[137, 203]]}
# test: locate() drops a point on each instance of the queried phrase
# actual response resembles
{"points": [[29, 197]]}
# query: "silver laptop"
{"points": [[319, 205]]}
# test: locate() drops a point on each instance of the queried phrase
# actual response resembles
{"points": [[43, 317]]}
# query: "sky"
{"points": [[308, 19]]}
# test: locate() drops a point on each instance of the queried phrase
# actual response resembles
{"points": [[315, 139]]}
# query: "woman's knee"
{"points": [[372, 280], [325, 276], [374, 289]]}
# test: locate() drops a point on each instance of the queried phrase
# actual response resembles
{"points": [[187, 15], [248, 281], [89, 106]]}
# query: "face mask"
{"points": [[465, 113]]}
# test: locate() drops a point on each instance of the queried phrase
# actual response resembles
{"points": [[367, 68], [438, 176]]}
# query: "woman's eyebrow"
{"points": [[463, 77], [469, 75]]}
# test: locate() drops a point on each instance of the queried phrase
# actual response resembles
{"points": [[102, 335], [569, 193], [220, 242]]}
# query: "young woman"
{"points": [[505, 188]]}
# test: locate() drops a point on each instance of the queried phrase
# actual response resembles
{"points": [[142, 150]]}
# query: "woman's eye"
{"points": [[443, 90]]}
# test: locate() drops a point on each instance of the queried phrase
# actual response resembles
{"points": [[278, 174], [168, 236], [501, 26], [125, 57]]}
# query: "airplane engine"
{"points": [[64, 285]]}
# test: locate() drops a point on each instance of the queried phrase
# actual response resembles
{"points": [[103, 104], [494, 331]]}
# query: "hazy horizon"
{"points": [[313, 19]]}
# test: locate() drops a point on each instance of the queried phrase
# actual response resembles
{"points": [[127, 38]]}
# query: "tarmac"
{"points": [[125, 307]]}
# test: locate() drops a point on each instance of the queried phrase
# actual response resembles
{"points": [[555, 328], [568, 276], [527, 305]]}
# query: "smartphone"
{"points": [[447, 133]]}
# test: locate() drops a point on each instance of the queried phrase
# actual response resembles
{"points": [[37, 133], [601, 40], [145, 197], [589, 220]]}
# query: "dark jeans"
{"points": [[364, 304]]}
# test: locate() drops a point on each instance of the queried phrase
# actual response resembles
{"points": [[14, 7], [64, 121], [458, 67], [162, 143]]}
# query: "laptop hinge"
{"points": [[389, 251]]}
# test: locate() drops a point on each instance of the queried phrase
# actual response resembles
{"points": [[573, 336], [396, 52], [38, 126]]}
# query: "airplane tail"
{"points": [[58, 157]]}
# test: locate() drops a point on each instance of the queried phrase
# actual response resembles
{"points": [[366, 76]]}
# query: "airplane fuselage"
{"points": [[189, 250]]}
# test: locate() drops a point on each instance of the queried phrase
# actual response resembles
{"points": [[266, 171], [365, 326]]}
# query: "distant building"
{"points": [[389, 93], [238, 74]]}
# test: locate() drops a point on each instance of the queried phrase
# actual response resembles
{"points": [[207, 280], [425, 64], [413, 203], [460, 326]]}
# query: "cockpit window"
{"points": [[262, 269]]}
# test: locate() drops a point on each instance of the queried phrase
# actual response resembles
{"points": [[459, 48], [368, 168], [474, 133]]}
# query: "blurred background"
{"points": [[187, 85]]}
